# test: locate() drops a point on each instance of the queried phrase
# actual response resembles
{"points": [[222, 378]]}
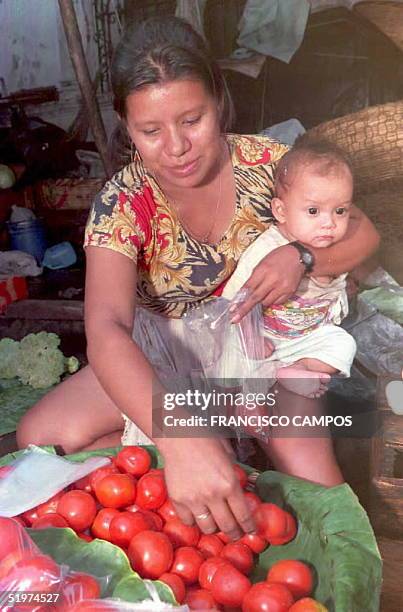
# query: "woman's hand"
{"points": [[273, 280], [203, 486]]}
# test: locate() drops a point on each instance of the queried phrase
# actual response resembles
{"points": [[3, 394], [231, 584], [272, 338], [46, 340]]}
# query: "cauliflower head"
{"points": [[41, 362]]}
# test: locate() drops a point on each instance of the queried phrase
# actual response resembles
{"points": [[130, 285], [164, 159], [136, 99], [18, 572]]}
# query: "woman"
{"points": [[164, 234]]}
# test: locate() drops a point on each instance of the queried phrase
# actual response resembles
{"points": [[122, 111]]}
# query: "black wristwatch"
{"points": [[306, 257]]}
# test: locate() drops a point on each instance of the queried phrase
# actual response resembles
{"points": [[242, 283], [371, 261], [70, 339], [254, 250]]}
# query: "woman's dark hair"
{"points": [[162, 49]]}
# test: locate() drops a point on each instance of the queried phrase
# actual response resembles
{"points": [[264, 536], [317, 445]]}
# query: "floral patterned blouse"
{"points": [[175, 271]]}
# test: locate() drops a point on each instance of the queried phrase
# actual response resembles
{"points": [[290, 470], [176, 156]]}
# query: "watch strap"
{"points": [[306, 257]]}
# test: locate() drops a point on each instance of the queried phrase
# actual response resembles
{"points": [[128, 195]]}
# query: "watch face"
{"points": [[307, 258]]}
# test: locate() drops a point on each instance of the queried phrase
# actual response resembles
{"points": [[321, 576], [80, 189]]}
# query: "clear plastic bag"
{"points": [[384, 294], [31, 580], [38, 475], [233, 358], [379, 340], [233, 353], [153, 604]]}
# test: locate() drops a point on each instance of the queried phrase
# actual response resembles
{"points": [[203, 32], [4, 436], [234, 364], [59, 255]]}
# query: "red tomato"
{"points": [[181, 534], [155, 519], [35, 573], [291, 532], [150, 553], [307, 604], [77, 586], [85, 537], [78, 508], [295, 575], [223, 537], [239, 555], [116, 490], [100, 473], [229, 586], [144, 521], [252, 500], [133, 460], [186, 563], [102, 522], [263, 596], [29, 516], [207, 570], [167, 510], [124, 527], [241, 475], [157, 472], [51, 519], [10, 535], [255, 542], [84, 484], [50, 505], [151, 491], [176, 584], [9, 561], [200, 599], [210, 545], [271, 521]]}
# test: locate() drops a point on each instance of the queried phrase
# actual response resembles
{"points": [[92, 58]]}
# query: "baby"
{"points": [[313, 197]]}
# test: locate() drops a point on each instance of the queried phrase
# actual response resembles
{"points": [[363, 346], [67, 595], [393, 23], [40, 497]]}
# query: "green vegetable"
{"points": [[71, 364], [36, 360], [15, 400], [9, 357], [7, 177]]}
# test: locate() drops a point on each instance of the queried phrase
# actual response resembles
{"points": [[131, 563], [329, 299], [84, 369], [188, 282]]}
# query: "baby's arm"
{"points": [[247, 263]]}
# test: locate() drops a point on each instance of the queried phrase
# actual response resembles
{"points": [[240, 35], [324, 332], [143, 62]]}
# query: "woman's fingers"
{"points": [[205, 520], [241, 511], [225, 519], [184, 513]]}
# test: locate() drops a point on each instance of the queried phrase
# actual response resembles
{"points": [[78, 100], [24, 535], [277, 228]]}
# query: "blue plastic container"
{"points": [[28, 236], [59, 256]]}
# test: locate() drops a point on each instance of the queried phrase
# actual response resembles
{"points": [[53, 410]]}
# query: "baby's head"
{"points": [[313, 192]]}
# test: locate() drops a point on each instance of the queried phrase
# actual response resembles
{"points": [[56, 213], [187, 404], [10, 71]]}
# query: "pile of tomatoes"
{"points": [[126, 503]]}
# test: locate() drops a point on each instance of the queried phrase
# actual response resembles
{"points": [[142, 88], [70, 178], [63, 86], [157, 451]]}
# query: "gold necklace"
{"points": [[207, 235]]}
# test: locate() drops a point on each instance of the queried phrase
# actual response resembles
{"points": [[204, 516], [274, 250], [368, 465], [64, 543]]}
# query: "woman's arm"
{"points": [[207, 482], [278, 275]]}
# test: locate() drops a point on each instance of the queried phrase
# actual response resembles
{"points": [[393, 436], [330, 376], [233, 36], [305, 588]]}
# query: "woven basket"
{"points": [[67, 194], [385, 209], [373, 137], [386, 16]]}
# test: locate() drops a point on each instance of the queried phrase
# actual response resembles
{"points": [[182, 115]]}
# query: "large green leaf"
{"points": [[334, 537], [15, 400]]}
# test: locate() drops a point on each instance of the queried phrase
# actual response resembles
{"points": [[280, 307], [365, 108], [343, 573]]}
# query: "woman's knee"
{"points": [[299, 457], [32, 430]]}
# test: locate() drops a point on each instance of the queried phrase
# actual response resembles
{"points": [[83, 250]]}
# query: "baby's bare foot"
{"points": [[303, 382]]}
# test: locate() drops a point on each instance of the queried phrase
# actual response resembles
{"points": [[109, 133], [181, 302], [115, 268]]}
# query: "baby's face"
{"points": [[316, 208]]}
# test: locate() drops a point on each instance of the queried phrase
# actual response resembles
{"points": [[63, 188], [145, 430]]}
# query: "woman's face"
{"points": [[175, 128]]}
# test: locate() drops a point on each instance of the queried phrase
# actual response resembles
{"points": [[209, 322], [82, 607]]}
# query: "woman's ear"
{"points": [[278, 209]]}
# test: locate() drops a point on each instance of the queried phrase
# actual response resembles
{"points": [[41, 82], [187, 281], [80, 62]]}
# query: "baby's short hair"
{"points": [[323, 156]]}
